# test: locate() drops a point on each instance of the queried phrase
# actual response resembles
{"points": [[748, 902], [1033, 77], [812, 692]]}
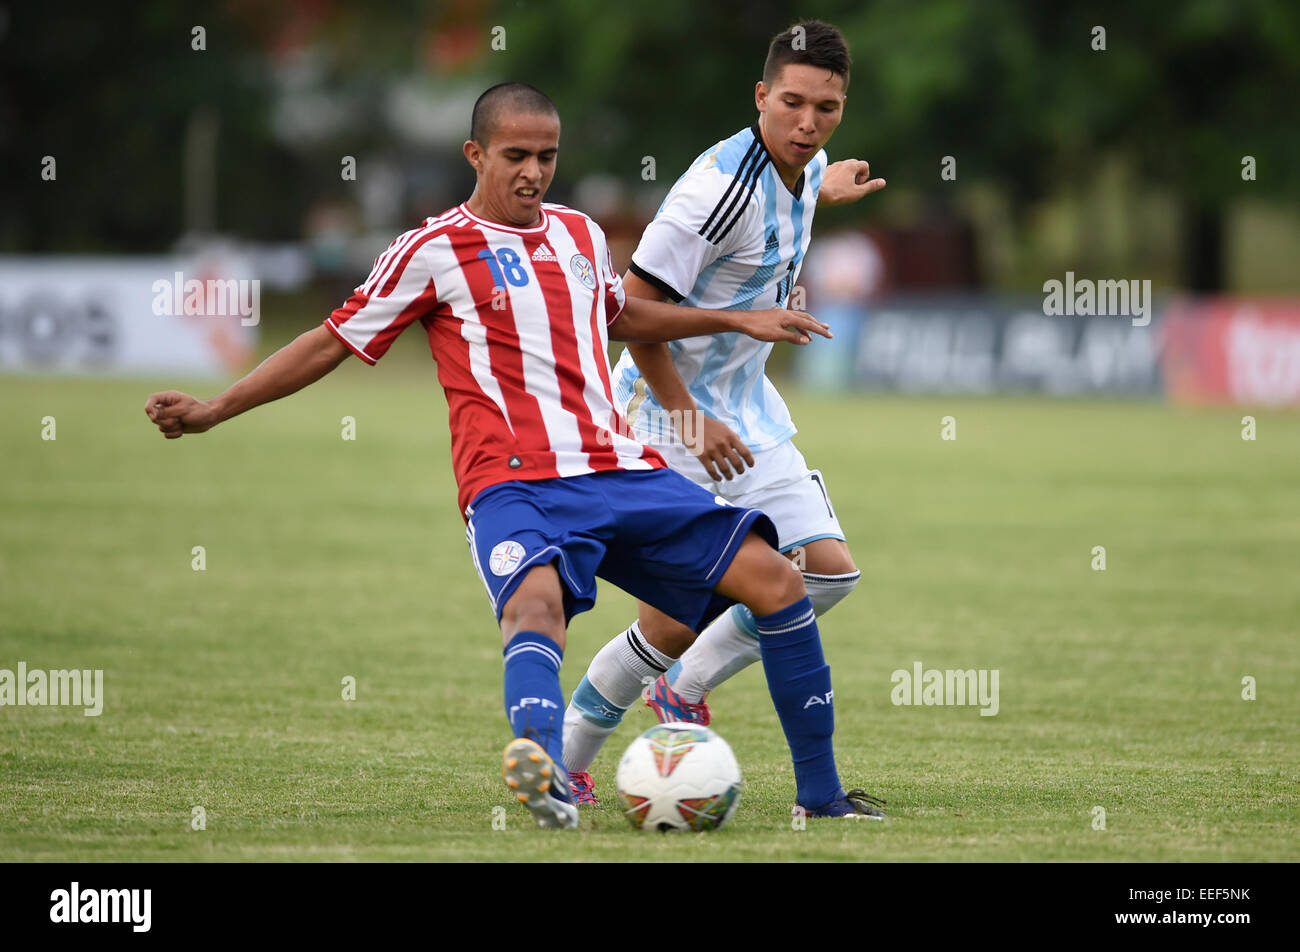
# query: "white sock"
{"points": [[583, 740], [724, 648], [730, 644], [826, 591], [613, 682]]}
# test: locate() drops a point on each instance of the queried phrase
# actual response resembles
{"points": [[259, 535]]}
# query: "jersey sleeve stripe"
{"points": [[421, 305], [396, 252], [730, 186], [385, 261], [750, 181], [657, 282], [424, 238], [380, 265], [329, 326]]}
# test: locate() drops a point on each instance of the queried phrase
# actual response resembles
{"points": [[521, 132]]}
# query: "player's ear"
{"points": [[473, 154], [760, 96]]}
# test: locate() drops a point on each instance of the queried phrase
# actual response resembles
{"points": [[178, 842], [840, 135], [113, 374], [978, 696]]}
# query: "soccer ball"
{"points": [[678, 776]]}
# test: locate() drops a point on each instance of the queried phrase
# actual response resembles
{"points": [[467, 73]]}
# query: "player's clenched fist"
{"points": [[178, 413]]}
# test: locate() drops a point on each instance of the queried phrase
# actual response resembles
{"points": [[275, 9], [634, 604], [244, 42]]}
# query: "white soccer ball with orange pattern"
{"points": [[679, 776]]}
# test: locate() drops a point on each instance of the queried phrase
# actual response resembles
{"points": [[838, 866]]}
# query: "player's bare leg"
{"points": [[730, 643], [634, 663], [634, 659], [664, 631], [614, 681], [823, 557], [760, 579], [673, 639], [776, 596], [536, 605], [638, 662], [729, 649], [532, 629]]}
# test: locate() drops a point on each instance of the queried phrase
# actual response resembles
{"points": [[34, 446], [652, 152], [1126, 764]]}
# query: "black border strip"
{"points": [[659, 283]]}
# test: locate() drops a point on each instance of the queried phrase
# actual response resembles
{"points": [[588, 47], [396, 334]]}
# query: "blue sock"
{"points": [[800, 683], [534, 702]]}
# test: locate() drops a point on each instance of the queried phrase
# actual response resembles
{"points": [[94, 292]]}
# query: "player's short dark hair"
{"points": [[812, 43], [507, 97]]}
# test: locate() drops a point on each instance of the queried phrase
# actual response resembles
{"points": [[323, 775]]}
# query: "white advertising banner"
{"points": [[127, 315]]}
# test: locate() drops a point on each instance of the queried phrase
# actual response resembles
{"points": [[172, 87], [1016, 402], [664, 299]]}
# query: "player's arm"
{"points": [[718, 448], [653, 320], [303, 361], [675, 248]]}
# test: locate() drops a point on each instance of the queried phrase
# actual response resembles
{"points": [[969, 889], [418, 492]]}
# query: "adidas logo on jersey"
{"points": [[772, 240], [544, 253]]}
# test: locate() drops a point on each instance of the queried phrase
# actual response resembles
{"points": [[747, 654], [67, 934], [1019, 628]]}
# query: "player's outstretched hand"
{"points": [[716, 445], [778, 323], [178, 413], [846, 181]]}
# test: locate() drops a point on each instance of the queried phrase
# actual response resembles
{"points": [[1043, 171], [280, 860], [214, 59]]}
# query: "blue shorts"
{"points": [[653, 533]]}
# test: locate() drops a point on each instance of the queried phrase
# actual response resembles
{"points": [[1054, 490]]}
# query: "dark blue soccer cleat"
{"points": [[854, 805]]}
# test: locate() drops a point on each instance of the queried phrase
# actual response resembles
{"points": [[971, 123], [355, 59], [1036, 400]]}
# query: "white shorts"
{"points": [[779, 483]]}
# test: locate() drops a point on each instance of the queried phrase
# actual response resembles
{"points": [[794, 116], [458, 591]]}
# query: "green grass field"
{"points": [[328, 558]]}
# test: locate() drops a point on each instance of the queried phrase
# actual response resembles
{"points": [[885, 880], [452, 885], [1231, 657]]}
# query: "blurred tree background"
{"points": [[1126, 160]]}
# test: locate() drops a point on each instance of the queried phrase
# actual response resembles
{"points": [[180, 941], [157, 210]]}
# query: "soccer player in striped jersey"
{"points": [[518, 299], [732, 233]]}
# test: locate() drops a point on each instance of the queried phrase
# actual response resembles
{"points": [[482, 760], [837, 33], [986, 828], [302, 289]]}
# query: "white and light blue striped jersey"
{"points": [[730, 236]]}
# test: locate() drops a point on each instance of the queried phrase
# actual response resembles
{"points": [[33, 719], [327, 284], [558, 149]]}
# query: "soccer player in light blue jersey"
{"points": [[731, 234]]}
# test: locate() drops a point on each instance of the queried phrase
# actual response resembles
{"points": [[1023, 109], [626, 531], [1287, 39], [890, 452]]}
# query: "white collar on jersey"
{"points": [[534, 230]]}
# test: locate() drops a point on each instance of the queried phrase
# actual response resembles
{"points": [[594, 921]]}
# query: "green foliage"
{"points": [[1015, 91]]}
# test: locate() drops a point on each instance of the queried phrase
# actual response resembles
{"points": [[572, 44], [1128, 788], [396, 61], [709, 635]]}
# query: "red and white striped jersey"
{"points": [[517, 320]]}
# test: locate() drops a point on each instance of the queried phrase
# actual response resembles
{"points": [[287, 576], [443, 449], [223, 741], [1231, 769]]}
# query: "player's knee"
{"points": [[537, 604], [533, 612], [762, 579], [824, 557], [827, 591], [780, 587], [789, 585]]}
